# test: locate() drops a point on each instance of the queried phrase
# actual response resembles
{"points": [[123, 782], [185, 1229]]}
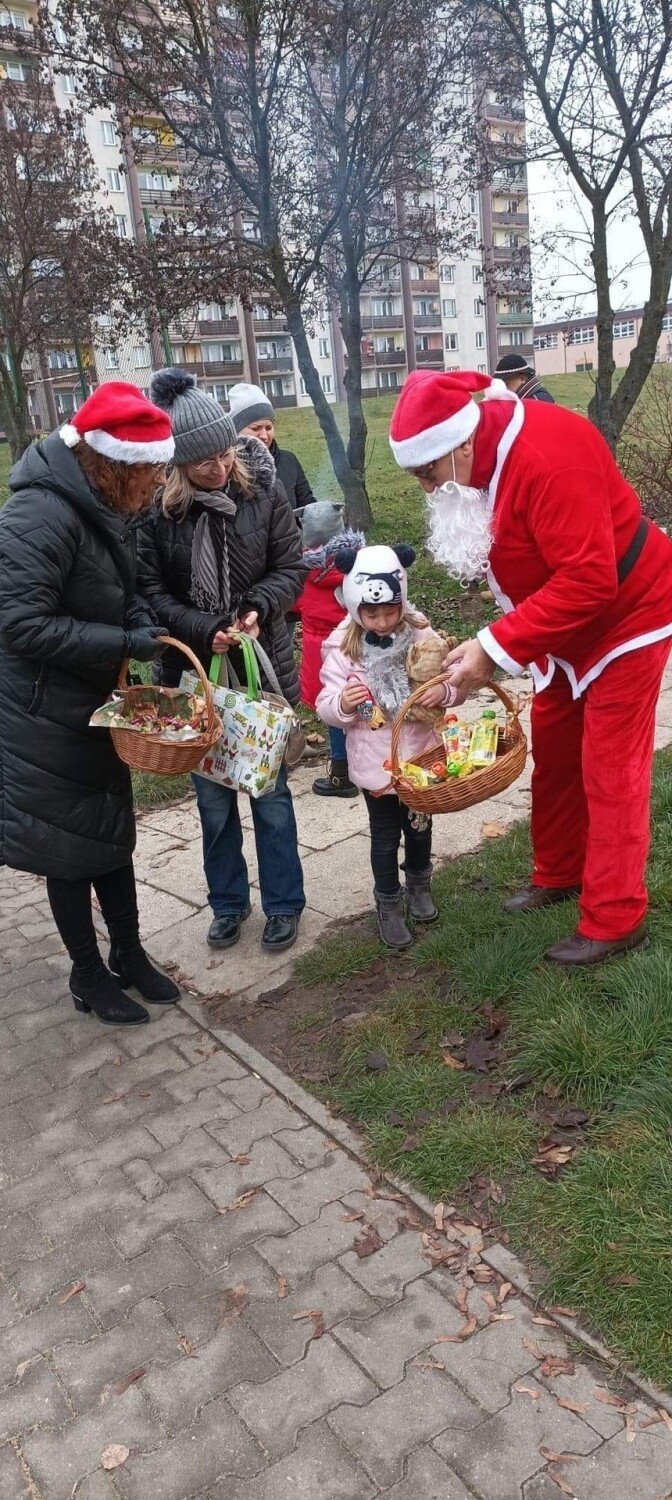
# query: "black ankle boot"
{"points": [[337, 782], [101, 994], [133, 969]]}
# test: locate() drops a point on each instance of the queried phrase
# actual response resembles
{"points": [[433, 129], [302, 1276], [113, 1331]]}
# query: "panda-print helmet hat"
{"points": [[374, 575]]}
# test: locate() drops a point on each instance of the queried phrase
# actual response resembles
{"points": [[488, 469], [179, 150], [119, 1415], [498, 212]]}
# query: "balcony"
{"points": [[431, 357], [149, 153], [526, 349], [211, 328], [270, 325], [504, 109], [284, 400], [427, 320], [281, 362], [513, 319], [390, 357], [504, 253], [516, 220], [161, 198], [389, 320], [427, 285], [511, 180], [222, 367]]}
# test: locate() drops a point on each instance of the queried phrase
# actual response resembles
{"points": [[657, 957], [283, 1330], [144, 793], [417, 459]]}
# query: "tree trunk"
{"points": [[14, 408], [643, 356], [351, 324], [601, 407], [357, 508]]}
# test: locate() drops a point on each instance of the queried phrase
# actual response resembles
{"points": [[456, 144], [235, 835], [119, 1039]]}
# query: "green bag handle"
{"points": [[220, 664]]}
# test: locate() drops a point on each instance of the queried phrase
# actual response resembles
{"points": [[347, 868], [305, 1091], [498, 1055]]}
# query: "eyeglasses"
{"points": [[425, 471], [217, 460]]}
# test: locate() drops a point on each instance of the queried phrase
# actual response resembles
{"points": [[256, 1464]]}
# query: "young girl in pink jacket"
{"points": [[365, 659]]}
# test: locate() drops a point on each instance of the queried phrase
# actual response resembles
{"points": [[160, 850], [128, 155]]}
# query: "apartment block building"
{"points": [[437, 312], [569, 345]]}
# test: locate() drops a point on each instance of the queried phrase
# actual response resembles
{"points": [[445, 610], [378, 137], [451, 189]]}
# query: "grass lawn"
{"points": [[581, 1063]]}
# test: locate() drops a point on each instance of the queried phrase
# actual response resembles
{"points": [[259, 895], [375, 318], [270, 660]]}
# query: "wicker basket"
{"points": [[145, 752], [455, 794]]}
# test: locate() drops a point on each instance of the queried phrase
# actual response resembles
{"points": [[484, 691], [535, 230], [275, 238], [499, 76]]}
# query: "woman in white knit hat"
{"points": [[253, 416]]}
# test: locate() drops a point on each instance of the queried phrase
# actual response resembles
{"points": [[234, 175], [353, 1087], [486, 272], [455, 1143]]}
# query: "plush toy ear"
{"points": [[406, 553], [344, 558]]}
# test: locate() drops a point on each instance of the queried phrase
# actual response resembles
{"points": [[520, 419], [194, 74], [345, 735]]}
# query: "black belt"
{"points": [[629, 558]]}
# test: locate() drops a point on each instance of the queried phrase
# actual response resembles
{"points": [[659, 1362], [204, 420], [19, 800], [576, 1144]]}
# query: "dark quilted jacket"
{"points": [[292, 477], [67, 581], [265, 555]]}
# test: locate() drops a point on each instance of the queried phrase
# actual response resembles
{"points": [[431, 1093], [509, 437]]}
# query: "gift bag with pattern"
{"points": [[255, 730]]}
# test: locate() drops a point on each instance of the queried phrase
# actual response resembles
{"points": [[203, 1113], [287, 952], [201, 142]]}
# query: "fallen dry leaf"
{"points": [[331, 1146], [428, 1364], [241, 1161], [128, 1380], [494, 830], [186, 1347], [26, 1363], [283, 1286], [557, 1458], [470, 1327], [368, 1242], [242, 1202], [117, 1061], [534, 1348], [578, 1407], [438, 1217], [453, 1062], [113, 1099], [607, 1398], [351, 1218], [482, 1274], [114, 1456], [545, 1322], [665, 1417], [528, 1390], [651, 1421], [309, 1312], [318, 1326], [556, 1364], [505, 1288], [623, 1281], [234, 1299], [565, 1312], [479, 1054], [490, 1300], [501, 1318], [206, 1051], [462, 1301], [74, 1291], [629, 1429], [448, 1338], [562, 1484]]}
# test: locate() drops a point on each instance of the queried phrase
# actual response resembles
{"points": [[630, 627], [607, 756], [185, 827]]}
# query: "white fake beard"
{"points": [[460, 531]]}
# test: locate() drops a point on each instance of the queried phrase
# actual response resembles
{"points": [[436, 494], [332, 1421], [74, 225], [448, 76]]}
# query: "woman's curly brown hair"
{"points": [[116, 482]]}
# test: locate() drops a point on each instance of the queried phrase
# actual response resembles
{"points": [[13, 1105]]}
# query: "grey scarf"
{"points": [[384, 670], [210, 585]]}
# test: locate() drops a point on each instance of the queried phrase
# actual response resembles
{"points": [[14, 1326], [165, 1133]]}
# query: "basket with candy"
{"points": [[163, 730], [470, 763]]}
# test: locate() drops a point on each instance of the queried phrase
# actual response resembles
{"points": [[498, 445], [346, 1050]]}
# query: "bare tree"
{"points": [[295, 119], [599, 88], [51, 285]]}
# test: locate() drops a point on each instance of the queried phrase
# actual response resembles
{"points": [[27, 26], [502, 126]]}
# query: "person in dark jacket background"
{"points": [[220, 554], [253, 416], [518, 376], [69, 616]]}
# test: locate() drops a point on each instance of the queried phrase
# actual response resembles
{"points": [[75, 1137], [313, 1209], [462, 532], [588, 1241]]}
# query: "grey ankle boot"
{"points": [[419, 891], [391, 919]]}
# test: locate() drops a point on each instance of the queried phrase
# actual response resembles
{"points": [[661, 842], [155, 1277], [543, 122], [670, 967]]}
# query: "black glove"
{"points": [[144, 644]]}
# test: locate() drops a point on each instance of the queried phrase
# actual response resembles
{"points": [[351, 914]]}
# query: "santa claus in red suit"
{"points": [[531, 494]]}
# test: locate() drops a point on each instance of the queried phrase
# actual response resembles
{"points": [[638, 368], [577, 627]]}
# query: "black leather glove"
{"points": [[144, 644]]}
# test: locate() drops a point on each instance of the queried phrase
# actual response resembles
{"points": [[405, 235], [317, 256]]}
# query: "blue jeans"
{"points": [[337, 748], [280, 873]]}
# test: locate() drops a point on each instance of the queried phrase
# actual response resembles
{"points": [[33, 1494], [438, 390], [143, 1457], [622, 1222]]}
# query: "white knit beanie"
{"points": [[247, 403]]}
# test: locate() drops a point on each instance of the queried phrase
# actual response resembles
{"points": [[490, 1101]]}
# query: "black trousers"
{"points": [[70, 902], [389, 820]]}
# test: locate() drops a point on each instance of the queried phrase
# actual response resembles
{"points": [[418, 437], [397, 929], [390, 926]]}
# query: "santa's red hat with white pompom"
{"points": [[436, 413], [120, 423]]}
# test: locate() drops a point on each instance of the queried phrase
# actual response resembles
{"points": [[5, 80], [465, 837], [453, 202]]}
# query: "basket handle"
{"points": [[398, 724], [169, 640]]}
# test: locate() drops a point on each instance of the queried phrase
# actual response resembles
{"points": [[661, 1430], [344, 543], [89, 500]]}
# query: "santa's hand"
{"points": [[468, 667]]}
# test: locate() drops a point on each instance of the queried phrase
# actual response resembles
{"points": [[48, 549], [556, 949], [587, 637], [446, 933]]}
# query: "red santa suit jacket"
{"points": [[563, 518]]}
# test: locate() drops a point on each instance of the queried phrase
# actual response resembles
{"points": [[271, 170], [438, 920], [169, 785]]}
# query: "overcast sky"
{"points": [[561, 277]]}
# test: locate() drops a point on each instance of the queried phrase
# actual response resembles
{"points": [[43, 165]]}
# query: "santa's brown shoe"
{"points": [[533, 897], [581, 952]]}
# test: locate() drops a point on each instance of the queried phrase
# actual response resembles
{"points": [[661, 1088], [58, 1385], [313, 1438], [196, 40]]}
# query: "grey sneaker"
{"points": [[391, 919]]}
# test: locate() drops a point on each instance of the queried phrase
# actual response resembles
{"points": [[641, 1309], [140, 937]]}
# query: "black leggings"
{"points": [[70, 902], [389, 819]]}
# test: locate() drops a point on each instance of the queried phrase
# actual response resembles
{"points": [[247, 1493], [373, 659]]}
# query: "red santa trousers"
{"points": [[591, 788]]}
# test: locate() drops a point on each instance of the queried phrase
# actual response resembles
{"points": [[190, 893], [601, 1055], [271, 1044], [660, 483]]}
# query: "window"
{"points": [[218, 391], [584, 335], [480, 341], [388, 380], [273, 387], [221, 353], [667, 323], [111, 358], [449, 307], [62, 359], [326, 384], [476, 273], [478, 307], [154, 182], [517, 336], [122, 226], [15, 18], [625, 330], [472, 203], [108, 133], [382, 307], [70, 85], [17, 72], [324, 349], [252, 231], [546, 341], [142, 356], [447, 273], [481, 369], [451, 341], [302, 386], [113, 180]]}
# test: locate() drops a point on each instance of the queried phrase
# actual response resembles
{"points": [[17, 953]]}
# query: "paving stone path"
{"points": [[181, 1276]]}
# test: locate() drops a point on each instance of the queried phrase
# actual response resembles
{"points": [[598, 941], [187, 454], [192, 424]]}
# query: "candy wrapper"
{"points": [[165, 713]]}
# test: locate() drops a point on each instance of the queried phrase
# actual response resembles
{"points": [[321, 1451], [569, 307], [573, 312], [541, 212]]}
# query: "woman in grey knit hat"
{"points": [[221, 553]]}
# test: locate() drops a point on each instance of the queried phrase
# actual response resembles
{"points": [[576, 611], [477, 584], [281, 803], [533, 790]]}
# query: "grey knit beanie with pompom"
{"points": [[200, 427]]}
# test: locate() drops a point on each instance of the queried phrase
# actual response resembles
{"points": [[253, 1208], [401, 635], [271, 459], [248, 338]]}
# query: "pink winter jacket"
{"points": [[367, 748]]}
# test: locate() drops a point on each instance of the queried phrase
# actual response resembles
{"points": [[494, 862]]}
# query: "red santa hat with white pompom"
{"points": [[436, 413], [120, 423]]}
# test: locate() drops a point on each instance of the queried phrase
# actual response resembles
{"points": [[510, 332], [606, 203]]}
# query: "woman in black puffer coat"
{"points": [[69, 615], [220, 553]]}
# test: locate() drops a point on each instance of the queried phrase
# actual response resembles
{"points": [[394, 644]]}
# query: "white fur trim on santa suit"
{"points": [[435, 442], [158, 452]]}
